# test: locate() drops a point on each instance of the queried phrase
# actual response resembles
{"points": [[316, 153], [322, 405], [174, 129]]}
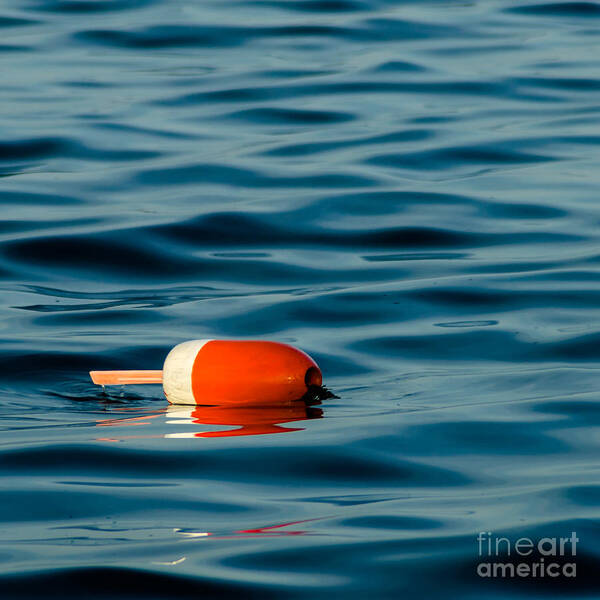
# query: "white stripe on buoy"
{"points": [[177, 371]]}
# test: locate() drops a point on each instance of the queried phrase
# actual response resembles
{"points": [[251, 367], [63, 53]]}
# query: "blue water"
{"points": [[408, 191]]}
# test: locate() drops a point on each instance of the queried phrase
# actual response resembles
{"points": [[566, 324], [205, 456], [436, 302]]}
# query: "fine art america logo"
{"points": [[525, 557]]}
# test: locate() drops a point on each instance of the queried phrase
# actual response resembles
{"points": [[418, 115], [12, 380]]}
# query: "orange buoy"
{"points": [[223, 372]]}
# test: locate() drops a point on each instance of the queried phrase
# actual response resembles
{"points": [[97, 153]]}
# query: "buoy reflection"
{"points": [[212, 421], [244, 420]]}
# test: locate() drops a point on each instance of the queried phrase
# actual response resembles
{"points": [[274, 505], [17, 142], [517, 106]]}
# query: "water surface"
{"points": [[405, 190]]}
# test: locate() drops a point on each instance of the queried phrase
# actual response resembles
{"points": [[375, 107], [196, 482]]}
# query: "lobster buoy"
{"points": [[227, 372]]}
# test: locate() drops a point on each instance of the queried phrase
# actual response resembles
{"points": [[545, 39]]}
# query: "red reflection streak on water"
{"points": [[267, 529], [260, 532]]}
